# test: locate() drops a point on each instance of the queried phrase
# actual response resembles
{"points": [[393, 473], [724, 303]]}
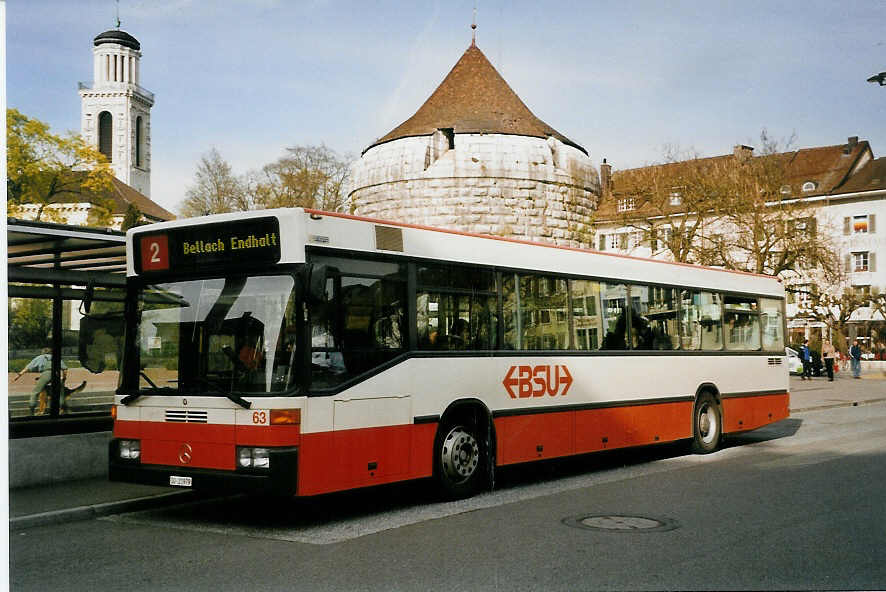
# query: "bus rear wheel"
{"points": [[707, 424], [460, 460]]}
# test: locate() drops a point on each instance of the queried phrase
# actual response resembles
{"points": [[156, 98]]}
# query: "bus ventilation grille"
{"points": [[388, 239], [775, 361], [186, 416]]}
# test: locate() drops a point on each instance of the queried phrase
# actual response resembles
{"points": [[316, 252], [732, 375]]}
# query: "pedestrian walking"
{"points": [[828, 353], [806, 358], [855, 359]]}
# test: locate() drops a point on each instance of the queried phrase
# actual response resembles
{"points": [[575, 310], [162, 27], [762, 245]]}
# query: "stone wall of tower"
{"points": [[513, 186]]}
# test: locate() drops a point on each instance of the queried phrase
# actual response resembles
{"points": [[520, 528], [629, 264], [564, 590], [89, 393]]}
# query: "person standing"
{"points": [[828, 353], [806, 358], [855, 359]]}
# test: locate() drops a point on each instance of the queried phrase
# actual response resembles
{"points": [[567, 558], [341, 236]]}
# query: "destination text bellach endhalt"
{"points": [[216, 244]]}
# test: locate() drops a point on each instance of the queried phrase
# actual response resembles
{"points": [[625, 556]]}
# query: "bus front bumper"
{"points": [[280, 479]]}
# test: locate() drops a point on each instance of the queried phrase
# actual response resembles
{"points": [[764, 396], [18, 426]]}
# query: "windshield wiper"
{"points": [[154, 390], [220, 390]]}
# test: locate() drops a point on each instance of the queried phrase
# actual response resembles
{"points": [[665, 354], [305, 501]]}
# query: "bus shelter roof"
{"points": [[47, 253]]}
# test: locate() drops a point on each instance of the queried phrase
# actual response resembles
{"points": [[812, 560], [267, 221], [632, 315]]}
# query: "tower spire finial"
{"points": [[118, 14], [474, 26]]}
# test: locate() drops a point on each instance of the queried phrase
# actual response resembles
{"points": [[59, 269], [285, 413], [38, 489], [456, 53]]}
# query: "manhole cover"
{"points": [[617, 523]]}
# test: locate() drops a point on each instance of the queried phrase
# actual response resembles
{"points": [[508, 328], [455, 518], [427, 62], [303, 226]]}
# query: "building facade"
{"points": [[837, 192], [474, 158]]}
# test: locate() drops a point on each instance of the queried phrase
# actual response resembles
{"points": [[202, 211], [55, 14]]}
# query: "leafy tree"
{"points": [[306, 176], [132, 218], [216, 189], [44, 169], [30, 322]]}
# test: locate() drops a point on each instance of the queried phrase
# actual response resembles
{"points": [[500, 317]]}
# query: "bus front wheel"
{"points": [[706, 424], [460, 460]]}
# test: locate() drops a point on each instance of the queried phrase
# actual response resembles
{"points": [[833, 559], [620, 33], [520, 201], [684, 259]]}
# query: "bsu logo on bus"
{"points": [[536, 381]]}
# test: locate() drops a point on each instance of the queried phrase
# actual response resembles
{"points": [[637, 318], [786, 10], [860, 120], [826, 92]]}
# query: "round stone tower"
{"points": [[474, 158]]}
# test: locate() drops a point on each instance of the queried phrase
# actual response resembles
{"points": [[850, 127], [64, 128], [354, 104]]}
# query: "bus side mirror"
{"points": [[101, 342], [316, 284]]}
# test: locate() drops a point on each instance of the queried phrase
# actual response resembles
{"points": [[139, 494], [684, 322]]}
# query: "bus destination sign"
{"points": [[197, 248]]}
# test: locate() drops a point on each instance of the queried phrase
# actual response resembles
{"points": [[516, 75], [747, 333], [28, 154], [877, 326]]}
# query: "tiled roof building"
{"points": [[474, 158]]}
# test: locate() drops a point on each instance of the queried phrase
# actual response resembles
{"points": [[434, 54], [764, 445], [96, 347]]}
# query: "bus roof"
{"points": [[334, 230]]}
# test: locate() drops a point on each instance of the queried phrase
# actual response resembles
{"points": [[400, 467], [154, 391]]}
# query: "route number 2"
{"points": [[260, 417], [154, 253]]}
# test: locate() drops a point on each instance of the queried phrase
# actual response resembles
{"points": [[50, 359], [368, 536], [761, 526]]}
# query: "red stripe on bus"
{"points": [[333, 461], [339, 460], [741, 414], [523, 438]]}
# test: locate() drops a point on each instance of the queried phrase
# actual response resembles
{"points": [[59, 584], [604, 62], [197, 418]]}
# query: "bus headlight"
{"points": [[130, 449], [253, 458]]}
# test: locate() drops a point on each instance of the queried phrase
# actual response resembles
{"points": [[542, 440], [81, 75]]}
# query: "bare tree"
{"points": [[306, 176], [673, 204], [215, 190]]}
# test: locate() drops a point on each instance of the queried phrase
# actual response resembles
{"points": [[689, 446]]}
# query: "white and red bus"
{"points": [[302, 352]]}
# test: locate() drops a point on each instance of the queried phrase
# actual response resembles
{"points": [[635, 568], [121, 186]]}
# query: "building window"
{"points": [[860, 224], [810, 186], [614, 241], [626, 204], [139, 138], [860, 261], [105, 134], [785, 189], [636, 239], [862, 291], [675, 198]]}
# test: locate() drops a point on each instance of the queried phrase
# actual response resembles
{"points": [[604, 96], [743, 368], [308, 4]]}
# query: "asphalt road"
{"points": [[796, 505]]}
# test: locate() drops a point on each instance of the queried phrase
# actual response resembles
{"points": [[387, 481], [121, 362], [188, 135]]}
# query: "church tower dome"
{"points": [[475, 158], [116, 111]]}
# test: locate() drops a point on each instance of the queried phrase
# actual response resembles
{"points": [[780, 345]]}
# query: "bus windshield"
{"points": [[217, 336]]}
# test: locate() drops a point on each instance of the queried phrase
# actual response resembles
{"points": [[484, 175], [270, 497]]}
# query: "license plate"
{"points": [[179, 481]]}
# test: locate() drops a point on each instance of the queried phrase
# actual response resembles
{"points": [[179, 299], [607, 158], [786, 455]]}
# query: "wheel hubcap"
{"points": [[707, 424], [461, 454]]}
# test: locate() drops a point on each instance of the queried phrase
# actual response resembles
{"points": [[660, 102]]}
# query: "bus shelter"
{"points": [[50, 267]]}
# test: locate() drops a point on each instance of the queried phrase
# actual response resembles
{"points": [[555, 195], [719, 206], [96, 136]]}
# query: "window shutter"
{"points": [[871, 226], [848, 263], [846, 224], [872, 261], [602, 242], [653, 242], [623, 241]]}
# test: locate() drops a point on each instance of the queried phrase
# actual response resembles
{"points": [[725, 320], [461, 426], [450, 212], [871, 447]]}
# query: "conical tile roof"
{"points": [[474, 98]]}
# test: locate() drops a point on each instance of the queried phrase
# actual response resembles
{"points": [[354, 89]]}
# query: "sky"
{"points": [[626, 80]]}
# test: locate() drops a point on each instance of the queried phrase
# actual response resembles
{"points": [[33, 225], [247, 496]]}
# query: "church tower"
{"points": [[116, 111]]}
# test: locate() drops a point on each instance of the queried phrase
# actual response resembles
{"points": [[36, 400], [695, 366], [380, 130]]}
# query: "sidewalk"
{"points": [[69, 501]]}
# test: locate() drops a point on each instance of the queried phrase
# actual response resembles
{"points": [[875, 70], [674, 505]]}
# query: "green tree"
{"points": [[132, 218], [30, 322], [43, 169]]}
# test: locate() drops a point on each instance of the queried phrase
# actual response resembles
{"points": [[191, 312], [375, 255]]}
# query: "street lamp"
{"points": [[878, 78]]}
